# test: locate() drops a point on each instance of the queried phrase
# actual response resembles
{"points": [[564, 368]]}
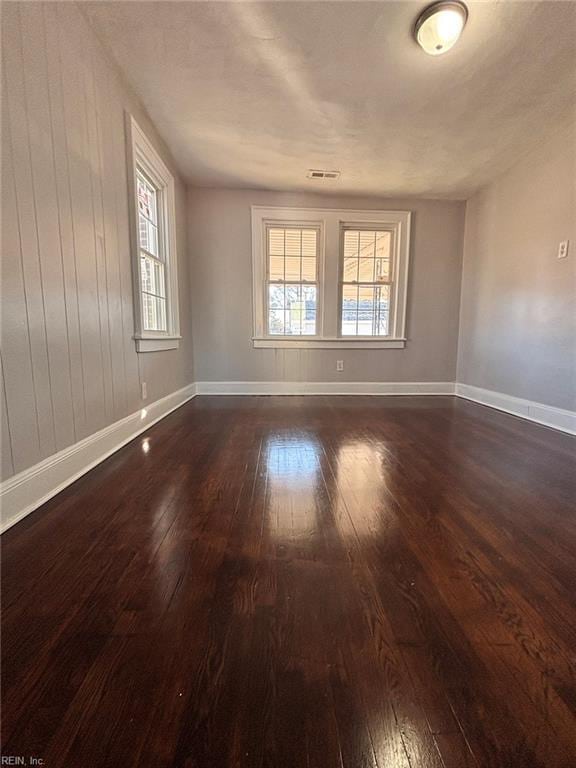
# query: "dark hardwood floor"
{"points": [[321, 582]]}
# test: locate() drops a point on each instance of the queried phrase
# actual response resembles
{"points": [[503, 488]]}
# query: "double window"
{"points": [[154, 264], [325, 278]]}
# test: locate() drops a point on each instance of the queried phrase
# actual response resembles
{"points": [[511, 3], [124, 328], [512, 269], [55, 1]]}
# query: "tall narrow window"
{"points": [[366, 288], [152, 266], [292, 280], [155, 265]]}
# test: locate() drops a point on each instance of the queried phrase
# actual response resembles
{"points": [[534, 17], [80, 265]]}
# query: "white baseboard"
{"points": [[26, 491], [557, 418], [324, 388]]}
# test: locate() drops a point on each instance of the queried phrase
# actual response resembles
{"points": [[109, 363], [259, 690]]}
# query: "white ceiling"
{"points": [[254, 94]]}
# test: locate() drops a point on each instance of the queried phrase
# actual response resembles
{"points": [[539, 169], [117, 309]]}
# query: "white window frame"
{"points": [[331, 223], [143, 155]]}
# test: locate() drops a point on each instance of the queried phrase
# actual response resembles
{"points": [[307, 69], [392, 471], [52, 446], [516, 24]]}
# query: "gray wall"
{"points": [[69, 365], [220, 247], [518, 309]]}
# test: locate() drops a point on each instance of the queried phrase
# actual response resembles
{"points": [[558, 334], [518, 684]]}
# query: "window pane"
{"points": [[366, 271], [276, 296], [365, 311], [146, 273], [153, 283], [349, 310], [148, 235], [350, 274], [152, 275], [309, 319], [309, 269], [367, 243], [382, 255], [293, 242], [292, 309], [309, 244], [351, 243], [158, 283], [154, 312], [295, 310], [276, 321], [276, 242], [161, 313], [276, 267], [147, 311], [299, 246], [292, 268], [382, 271], [382, 310], [147, 197], [292, 294]]}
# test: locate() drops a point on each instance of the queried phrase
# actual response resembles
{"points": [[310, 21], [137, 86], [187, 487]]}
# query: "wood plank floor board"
{"points": [[306, 582]]}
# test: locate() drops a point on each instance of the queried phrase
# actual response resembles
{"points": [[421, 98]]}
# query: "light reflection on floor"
{"points": [[364, 506], [296, 488], [292, 463], [292, 459]]}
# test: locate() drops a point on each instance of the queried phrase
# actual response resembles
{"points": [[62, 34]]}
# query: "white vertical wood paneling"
{"points": [[73, 57], [95, 165], [6, 459], [69, 364], [108, 175], [16, 349], [68, 252], [47, 221], [17, 124]]}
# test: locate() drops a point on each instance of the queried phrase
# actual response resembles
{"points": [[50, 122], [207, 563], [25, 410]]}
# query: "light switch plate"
{"points": [[563, 249]]}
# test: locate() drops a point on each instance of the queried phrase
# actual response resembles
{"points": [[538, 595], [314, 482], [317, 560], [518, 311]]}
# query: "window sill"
{"points": [[157, 343], [340, 343]]}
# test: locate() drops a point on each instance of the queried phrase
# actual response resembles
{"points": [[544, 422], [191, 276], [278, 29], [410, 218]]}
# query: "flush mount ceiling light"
{"points": [[440, 25]]}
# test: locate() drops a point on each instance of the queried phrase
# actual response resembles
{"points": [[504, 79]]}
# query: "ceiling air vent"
{"points": [[315, 174]]}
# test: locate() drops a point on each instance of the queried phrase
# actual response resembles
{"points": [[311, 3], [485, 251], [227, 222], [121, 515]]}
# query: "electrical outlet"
{"points": [[144, 391], [339, 365], [563, 249]]}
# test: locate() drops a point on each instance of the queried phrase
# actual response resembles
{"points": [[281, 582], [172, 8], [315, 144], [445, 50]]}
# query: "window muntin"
{"points": [[291, 280], [366, 285], [152, 262]]}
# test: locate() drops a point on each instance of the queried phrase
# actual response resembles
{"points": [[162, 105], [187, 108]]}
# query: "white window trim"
{"points": [[142, 153], [331, 222]]}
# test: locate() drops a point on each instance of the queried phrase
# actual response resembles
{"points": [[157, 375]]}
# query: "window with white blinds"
{"points": [[155, 266], [329, 278], [292, 281]]}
